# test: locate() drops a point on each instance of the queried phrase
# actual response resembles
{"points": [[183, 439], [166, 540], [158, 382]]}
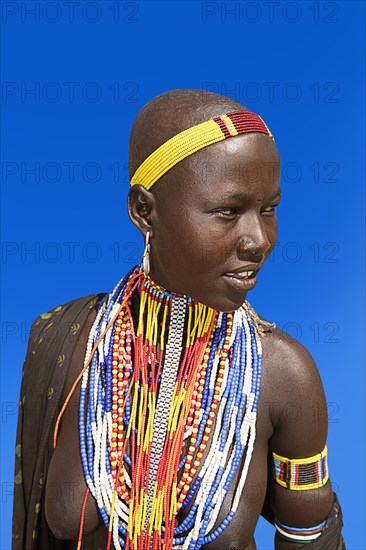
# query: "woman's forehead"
{"points": [[223, 189], [244, 149], [231, 167]]}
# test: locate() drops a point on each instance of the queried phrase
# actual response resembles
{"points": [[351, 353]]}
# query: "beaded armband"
{"points": [[300, 474], [294, 534]]}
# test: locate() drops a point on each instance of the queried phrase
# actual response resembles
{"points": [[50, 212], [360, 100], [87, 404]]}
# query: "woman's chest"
{"points": [[66, 489]]}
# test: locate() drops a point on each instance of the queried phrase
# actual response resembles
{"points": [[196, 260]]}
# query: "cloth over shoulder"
{"points": [[53, 338]]}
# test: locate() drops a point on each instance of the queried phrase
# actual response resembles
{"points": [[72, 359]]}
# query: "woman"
{"points": [[174, 433]]}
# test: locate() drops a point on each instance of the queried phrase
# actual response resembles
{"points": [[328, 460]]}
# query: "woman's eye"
{"points": [[270, 209], [227, 211]]}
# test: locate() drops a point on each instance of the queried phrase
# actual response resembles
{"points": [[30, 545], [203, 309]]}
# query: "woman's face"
{"points": [[214, 222]]}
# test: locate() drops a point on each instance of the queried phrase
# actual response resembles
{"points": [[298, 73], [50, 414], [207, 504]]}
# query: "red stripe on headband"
{"points": [[223, 127], [245, 122]]}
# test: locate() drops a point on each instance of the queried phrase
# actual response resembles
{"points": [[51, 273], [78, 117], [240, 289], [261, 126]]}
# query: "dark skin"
{"points": [[204, 223]]}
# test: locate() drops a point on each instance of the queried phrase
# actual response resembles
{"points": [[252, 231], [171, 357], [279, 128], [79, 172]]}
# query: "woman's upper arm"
{"points": [[300, 432]]}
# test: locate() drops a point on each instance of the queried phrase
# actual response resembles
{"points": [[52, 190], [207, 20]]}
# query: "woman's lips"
{"points": [[242, 281]]}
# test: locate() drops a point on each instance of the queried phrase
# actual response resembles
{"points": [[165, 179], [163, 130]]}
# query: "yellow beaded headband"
{"points": [[193, 139]]}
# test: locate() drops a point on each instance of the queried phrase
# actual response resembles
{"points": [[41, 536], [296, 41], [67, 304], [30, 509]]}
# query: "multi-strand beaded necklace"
{"points": [[168, 411]]}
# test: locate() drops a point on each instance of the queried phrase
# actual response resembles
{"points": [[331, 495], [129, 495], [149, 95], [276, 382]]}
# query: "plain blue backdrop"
{"points": [[74, 76]]}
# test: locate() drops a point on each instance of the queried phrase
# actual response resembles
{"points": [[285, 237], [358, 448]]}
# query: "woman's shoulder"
{"points": [[75, 305], [53, 326], [68, 309], [53, 339], [289, 367], [286, 352], [291, 388]]}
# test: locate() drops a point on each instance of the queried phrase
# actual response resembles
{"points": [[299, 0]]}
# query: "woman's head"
{"points": [[212, 215]]}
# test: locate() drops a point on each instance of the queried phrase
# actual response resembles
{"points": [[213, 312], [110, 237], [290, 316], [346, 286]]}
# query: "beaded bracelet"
{"points": [[295, 534]]}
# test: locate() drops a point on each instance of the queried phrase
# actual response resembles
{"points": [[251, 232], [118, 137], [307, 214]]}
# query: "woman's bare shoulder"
{"points": [[286, 353], [291, 379]]}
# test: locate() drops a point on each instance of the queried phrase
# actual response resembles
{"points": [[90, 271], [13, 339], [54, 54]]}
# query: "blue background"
{"points": [[65, 231]]}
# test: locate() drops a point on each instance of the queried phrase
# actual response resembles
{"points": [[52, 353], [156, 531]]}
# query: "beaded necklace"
{"points": [[167, 414]]}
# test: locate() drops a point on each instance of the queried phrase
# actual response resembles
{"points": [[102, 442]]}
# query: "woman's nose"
{"points": [[254, 241]]}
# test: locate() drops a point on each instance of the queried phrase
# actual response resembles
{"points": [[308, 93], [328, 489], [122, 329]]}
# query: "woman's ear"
{"points": [[141, 208]]}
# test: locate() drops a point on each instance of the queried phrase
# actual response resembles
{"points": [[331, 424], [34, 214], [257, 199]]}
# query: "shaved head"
{"points": [[210, 212], [170, 113]]}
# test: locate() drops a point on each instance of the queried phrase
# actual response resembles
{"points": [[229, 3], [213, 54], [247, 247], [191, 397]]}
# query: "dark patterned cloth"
{"points": [[331, 537], [53, 339]]}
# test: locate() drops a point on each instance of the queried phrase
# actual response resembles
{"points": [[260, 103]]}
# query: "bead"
{"points": [[119, 445]]}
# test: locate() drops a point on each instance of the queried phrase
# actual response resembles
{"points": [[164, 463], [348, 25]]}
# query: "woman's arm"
{"points": [[300, 431]]}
